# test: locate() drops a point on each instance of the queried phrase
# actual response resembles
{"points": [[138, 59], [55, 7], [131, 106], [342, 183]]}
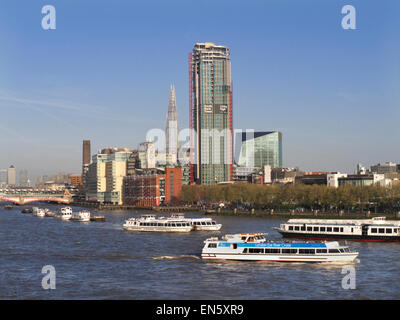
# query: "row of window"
{"points": [[317, 229], [154, 224], [384, 230], [293, 251]]}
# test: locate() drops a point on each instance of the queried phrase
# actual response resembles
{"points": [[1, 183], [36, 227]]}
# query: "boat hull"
{"points": [[208, 228], [299, 235], [339, 258], [158, 229]]}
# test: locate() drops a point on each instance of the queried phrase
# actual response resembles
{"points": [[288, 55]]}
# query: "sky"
{"points": [[104, 74]]}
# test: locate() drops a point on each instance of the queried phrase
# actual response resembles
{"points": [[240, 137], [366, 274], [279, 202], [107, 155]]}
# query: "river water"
{"points": [[98, 260]]}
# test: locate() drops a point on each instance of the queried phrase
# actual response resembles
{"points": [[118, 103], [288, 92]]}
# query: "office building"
{"points": [[23, 178], [11, 176], [85, 159], [259, 149], [210, 114]]}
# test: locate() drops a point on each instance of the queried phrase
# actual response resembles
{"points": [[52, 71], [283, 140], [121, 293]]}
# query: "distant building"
{"points": [[259, 149], [147, 155], [11, 176], [383, 168], [23, 178], [86, 159], [3, 177], [171, 129], [76, 180], [310, 178], [333, 179], [105, 175], [362, 179], [284, 175]]}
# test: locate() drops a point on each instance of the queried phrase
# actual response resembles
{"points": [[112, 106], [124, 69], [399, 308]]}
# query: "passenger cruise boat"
{"points": [[64, 213], [39, 213], [254, 247], [201, 224], [157, 224], [81, 216], [375, 229]]}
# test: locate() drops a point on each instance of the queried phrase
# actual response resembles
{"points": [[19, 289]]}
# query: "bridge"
{"points": [[25, 197]]}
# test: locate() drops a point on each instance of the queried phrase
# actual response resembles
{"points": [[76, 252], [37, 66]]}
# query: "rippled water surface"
{"points": [[98, 260]]}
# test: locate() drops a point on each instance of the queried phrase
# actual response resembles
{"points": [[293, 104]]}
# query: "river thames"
{"points": [[98, 260]]}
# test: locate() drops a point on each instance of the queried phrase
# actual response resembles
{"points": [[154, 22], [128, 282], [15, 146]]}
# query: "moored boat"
{"points": [[151, 223], [39, 213], [375, 229], [26, 210], [254, 247], [81, 216], [8, 207], [64, 213], [50, 213]]}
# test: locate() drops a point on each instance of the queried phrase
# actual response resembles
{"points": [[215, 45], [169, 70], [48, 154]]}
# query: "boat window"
{"points": [[306, 251], [245, 250], [256, 250], [251, 239], [381, 230], [335, 229], [374, 230], [213, 222], [203, 223], [352, 230], [329, 229], [291, 228], [212, 245], [303, 228], [243, 238], [173, 225], [309, 228], [289, 250], [341, 229], [322, 251], [333, 250], [179, 225], [389, 230], [209, 223], [316, 228], [272, 250], [322, 229], [296, 228]]}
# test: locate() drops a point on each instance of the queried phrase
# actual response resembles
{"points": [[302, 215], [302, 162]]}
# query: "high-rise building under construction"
{"points": [[210, 114]]}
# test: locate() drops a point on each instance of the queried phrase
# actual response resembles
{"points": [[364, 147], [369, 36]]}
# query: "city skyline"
{"points": [[332, 93]]}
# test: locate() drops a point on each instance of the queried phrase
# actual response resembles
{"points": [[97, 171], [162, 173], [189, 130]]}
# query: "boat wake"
{"points": [[176, 257]]}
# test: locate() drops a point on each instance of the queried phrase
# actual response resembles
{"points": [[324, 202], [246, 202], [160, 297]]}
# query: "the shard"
{"points": [[171, 131]]}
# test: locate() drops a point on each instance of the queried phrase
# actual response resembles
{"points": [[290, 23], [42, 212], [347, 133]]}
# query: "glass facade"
{"points": [[211, 112], [258, 149]]}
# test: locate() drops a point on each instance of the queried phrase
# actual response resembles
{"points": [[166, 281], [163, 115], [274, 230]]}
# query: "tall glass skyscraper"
{"points": [[171, 129], [258, 149], [210, 114]]}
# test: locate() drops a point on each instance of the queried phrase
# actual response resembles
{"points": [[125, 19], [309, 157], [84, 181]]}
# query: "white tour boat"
{"points": [[375, 229], [157, 224], [200, 224], [39, 213], [81, 216], [254, 247], [64, 213]]}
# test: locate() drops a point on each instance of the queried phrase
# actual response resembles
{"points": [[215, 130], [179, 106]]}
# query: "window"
{"points": [[333, 250], [389, 230], [256, 250], [306, 251], [290, 251], [322, 251], [212, 245], [245, 250], [309, 228], [374, 230], [296, 228], [322, 229], [335, 229], [316, 229], [272, 250], [341, 229], [303, 228], [329, 229], [381, 230], [290, 228]]}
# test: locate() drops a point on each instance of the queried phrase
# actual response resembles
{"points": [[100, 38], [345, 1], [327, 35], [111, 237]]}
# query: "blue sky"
{"points": [[104, 74]]}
